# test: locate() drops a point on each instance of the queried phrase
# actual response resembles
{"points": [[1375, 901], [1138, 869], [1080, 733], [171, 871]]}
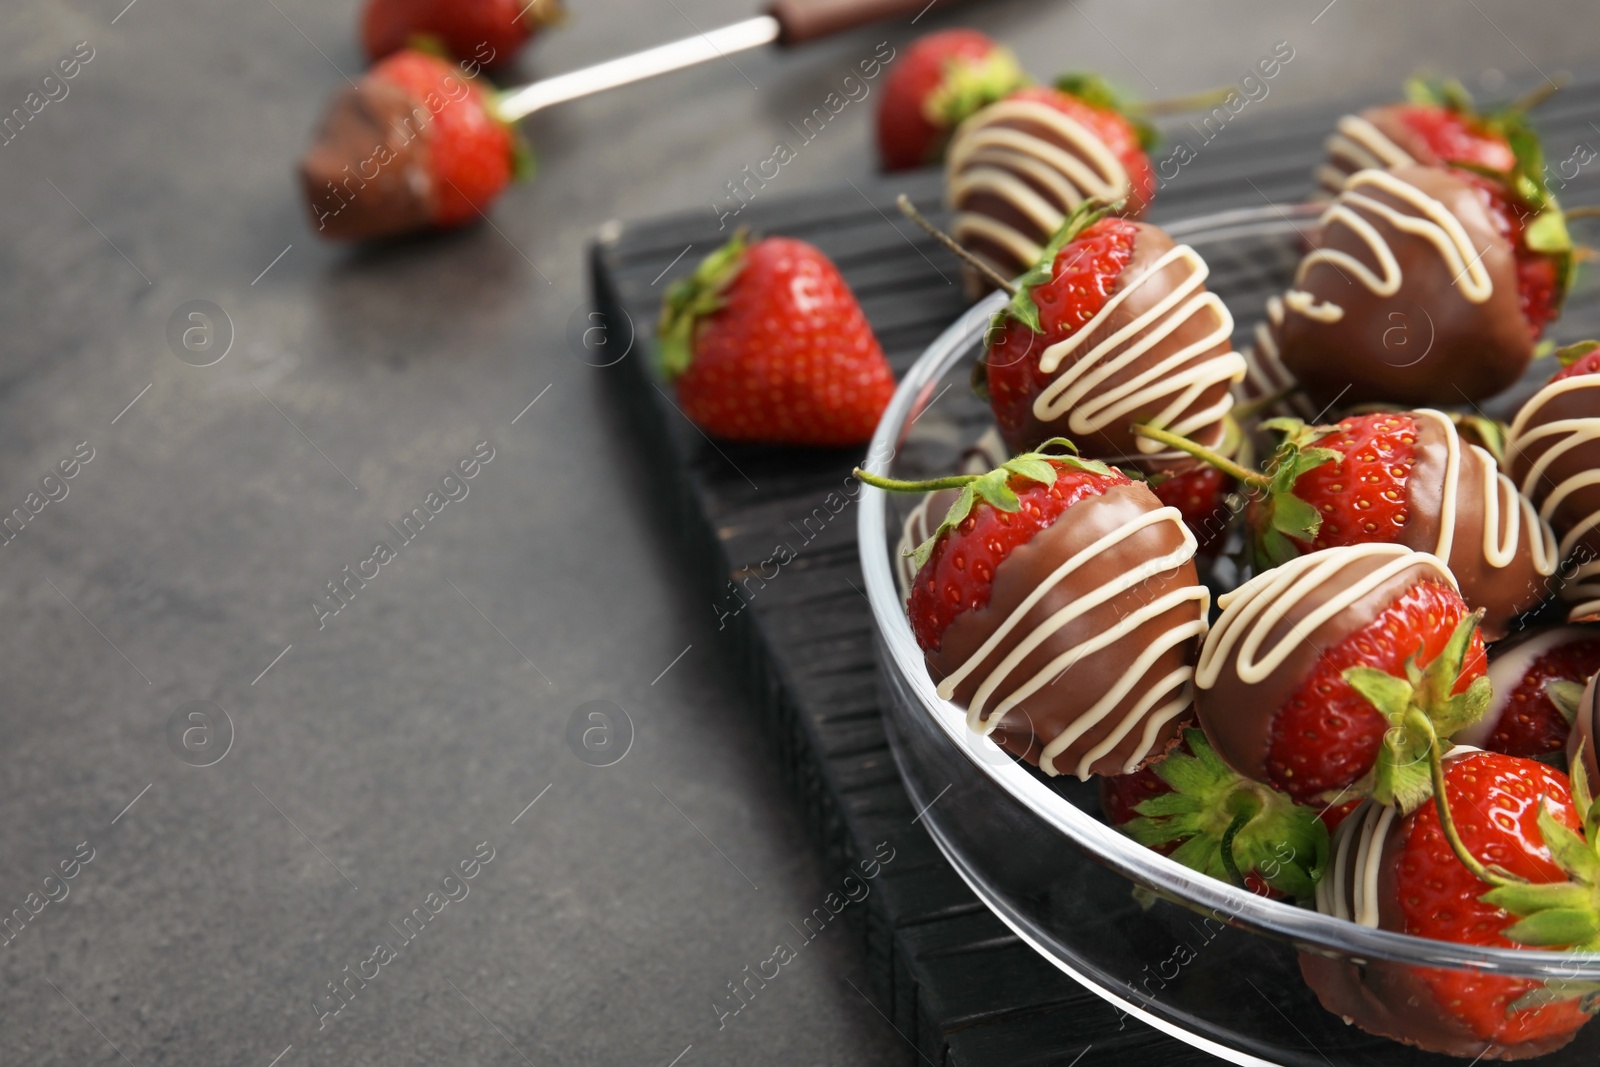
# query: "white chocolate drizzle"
{"points": [[1161, 700], [988, 157], [1357, 850], [1253, 611], [1583, 584], [1505, 510], [1356, 145], [1428, 219], [1179, 380]]}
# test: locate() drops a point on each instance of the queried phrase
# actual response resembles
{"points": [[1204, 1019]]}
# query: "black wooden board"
{"points": [[953, 980]]}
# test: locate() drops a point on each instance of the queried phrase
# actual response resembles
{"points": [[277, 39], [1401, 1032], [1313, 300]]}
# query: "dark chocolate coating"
{"points": [[1426, 344], [1386, 118], [1503, 592], [1237, 715], [366, 174], [1059, 704], [1116, 441]]}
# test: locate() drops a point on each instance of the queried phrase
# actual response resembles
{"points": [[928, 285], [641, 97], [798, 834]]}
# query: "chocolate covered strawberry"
{"points": [[942, 79], [1501, 864], [415, 144], [1016, 169], [484, 32], [1061, 595], [1427, 285], [1271, 690], [1536, 678], [1404, 478], [1192, 807], [1437, 123], [765, 342], [1113, 326], [1552, 451]]}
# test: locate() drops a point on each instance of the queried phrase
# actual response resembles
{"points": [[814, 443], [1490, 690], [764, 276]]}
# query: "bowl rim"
{"points": [[899, 652]]}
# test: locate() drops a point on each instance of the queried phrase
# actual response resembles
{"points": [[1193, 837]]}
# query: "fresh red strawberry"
{"points": [[1317, 674], [471, 153], [1446, 127], [1537, 678], [765, 342], [1327, 734], [1191, 806], [959, 569], [1515, 878], [485, 32], [942, 78], [1058, 603]]}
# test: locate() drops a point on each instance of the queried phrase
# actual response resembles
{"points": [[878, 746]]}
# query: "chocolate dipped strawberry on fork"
{"points": [[1404, 478], [1060, 594], [1270, 686], [415, 144]]}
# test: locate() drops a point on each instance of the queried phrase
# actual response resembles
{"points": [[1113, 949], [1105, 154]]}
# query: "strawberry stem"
{"points": [[1252, 409], [1173, 105], [909, 210], [1495, 876], [930, 485], [1203, 454], [1534, 97]]}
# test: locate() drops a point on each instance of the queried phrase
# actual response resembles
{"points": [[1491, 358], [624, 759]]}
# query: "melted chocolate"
{"points": [[1149, 625], [1552, 452], [366, 174], [1451, 330]]}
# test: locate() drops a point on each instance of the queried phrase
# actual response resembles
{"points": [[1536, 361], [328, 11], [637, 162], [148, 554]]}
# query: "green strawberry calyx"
{"points": [[992, 488], [1230, 827], [693, 298], [969, 85], [1022, 307], [1099, 94], [1423, 711]]}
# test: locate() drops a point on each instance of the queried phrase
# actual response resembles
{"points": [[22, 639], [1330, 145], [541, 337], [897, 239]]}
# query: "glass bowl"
{"points": [[1197, 958]]}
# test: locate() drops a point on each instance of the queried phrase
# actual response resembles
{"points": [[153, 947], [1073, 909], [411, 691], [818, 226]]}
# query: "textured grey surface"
{"points": [[383, 748]]}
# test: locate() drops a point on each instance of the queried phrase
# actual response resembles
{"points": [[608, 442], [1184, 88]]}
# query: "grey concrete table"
{"points": [[159, 602]]}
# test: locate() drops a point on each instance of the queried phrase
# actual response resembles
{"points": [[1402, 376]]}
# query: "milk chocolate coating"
{"points": [[1503, 592], [1585, 732], [994, 205], [1237, 715], [1427, 343], [366, 174], [1386, 118], [1116, 441], [1573, 399], [1058, 705], [1394, 1000]]}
